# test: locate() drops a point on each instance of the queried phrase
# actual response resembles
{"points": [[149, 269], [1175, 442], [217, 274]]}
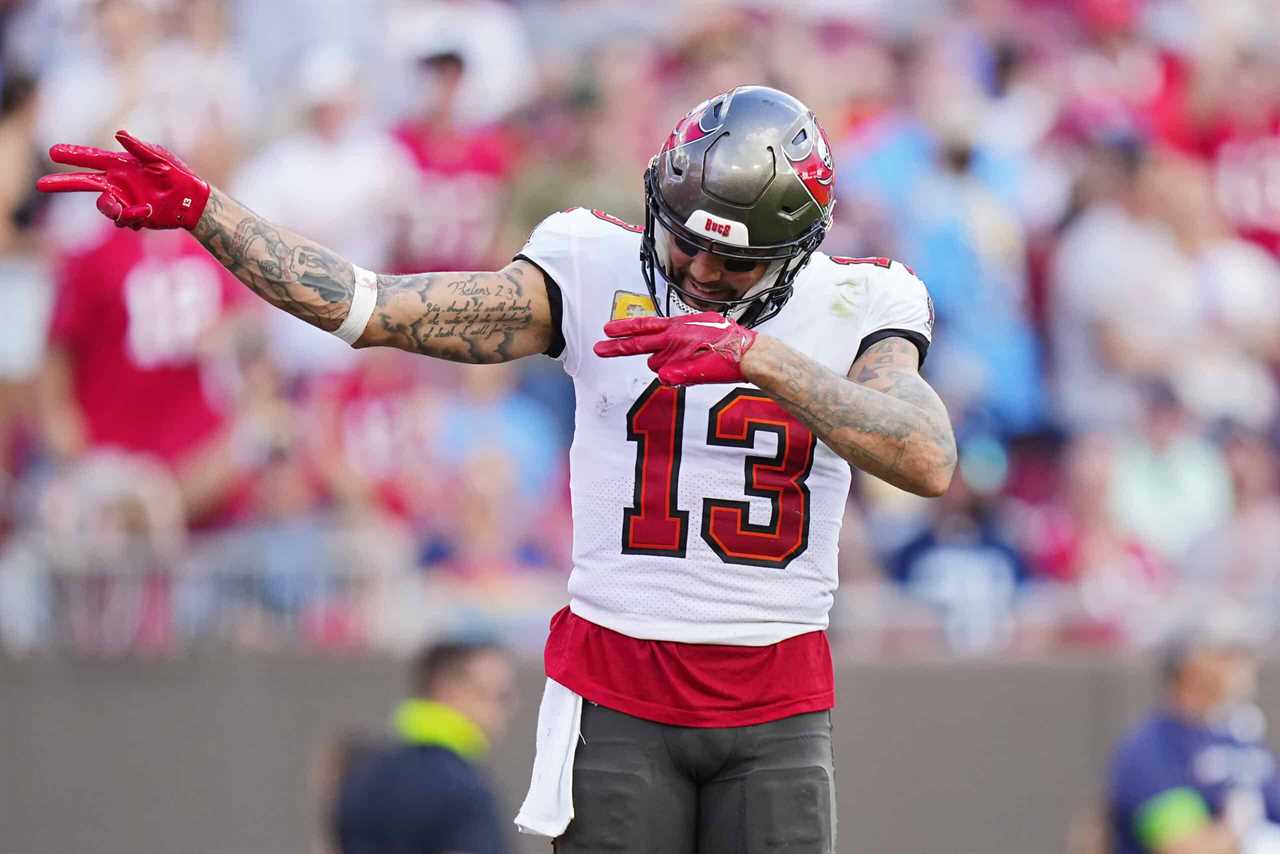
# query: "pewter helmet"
{"points": [[745, 175]]}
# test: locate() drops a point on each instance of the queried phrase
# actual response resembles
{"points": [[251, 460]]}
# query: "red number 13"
{"points": [[655, 525]]}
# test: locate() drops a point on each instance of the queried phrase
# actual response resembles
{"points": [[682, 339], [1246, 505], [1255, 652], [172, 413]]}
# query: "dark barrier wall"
{"points": [[220, 755]]}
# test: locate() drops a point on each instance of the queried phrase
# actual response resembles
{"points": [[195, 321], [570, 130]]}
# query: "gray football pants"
{"points": [[646, 788]]}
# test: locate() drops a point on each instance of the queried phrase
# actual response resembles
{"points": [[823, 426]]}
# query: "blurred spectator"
{"points": [[427, 793], [1075, 541], [276, 38], [965, 566], [1237, 557], [487, 35], [1123, 302], [127, 366], [490, 530], [490, 413], [109, 528], [1224, 374], [1196, 775], [1237, 129], [925, 181], [354, 210], [1170, 484], [503, 451], [19, 108], [201, 102], [464, 173], [1119, 80], [971, 249], [594, 135], [24, 278], [371, 434], [106, 84]]}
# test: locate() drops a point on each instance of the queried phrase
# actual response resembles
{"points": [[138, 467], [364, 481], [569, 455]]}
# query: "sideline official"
{"points": [[1195, 777], [426, 793]]}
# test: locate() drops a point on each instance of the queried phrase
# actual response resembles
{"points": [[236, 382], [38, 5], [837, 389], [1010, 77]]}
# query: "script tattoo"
{"points": [[464, 317], [888, 421]]}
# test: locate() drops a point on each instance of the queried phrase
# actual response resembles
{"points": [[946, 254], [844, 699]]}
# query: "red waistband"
{"points": [[690, 684]]}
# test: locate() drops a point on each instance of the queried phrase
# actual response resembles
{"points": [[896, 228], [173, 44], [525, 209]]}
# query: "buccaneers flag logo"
{"points": [[817, 171], [687, 129]]}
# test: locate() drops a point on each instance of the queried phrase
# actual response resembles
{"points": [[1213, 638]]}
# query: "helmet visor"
{"points": [[691, 243], [669, 239]]}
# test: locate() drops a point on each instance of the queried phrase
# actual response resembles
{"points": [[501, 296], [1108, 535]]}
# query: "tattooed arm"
{"points": [[463, 317], [887, 421]]}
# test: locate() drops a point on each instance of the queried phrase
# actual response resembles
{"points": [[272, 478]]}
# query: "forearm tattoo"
{"points": [[887, 421], [299, 276], [464, 317]]}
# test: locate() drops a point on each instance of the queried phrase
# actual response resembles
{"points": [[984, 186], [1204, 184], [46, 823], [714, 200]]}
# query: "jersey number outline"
{"points": [[875, 261], [654, 524]]}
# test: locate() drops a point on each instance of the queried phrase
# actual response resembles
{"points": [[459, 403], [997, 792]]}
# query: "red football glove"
{"points": [[687, 350], [147, 188]]}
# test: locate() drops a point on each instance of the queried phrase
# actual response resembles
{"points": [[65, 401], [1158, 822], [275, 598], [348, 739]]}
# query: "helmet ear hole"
{"points": [[794, 213]]}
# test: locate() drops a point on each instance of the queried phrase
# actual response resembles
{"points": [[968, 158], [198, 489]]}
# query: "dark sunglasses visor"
{"points": [[732, 265]]}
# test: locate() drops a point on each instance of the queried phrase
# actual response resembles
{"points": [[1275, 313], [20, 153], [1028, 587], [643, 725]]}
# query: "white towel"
{"points": [[548, 808]]}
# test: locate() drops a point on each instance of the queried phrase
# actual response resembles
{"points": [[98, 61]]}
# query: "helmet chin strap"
{"points": [[675, 305]]}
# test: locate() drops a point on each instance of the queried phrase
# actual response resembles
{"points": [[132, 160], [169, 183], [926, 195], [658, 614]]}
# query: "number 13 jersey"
{"points": [[706, 514]]}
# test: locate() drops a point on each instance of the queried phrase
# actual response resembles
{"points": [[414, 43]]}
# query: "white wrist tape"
{"points": [[363, 302]]}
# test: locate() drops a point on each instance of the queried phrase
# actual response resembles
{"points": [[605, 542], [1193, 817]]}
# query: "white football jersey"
{"points": [[706, 514]]}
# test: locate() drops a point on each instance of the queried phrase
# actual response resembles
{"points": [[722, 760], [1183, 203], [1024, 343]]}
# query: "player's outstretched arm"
{"points": [[883, 417], [464, 317]]}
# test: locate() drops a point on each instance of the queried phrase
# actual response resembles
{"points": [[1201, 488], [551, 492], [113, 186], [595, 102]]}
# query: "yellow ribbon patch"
{"points": [[627, 304]]}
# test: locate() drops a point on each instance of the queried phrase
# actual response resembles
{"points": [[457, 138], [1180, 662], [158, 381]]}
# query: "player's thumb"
{"points": [[110, 206], [135, 216]]}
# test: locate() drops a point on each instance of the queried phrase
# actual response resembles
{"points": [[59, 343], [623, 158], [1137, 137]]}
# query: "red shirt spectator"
{"points": [[1246, 161], [375, 427], [463, 178], [131, 316], [463, 172]]}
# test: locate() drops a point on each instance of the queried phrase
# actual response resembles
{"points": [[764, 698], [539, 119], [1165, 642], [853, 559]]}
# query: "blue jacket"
{"points": [[423, 795]]}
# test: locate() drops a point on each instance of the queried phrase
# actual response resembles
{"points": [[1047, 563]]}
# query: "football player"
{"points": [[708, 479]]}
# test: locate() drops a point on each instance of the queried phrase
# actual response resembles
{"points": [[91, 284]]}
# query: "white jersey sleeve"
{"points": [[899, 306], [583, 253]]}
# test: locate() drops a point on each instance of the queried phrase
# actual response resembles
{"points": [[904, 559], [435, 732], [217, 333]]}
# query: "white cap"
{"points": [[325, 74]]}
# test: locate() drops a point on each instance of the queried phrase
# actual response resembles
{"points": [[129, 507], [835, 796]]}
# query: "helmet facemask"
{"points": [[762, 301]]}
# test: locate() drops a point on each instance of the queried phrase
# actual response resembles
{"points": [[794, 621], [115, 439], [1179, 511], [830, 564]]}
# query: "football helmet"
{"points": [[747, 176]]}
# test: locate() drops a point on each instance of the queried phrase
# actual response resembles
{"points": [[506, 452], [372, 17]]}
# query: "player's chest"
{"points": [[827, 338], [698, 435]]}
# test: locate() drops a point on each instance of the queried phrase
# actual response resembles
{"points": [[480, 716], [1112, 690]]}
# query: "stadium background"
{"points": [[1091, 189]]}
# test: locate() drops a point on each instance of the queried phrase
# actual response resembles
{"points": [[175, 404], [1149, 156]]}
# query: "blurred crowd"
{"points": [[1090, 189]]}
